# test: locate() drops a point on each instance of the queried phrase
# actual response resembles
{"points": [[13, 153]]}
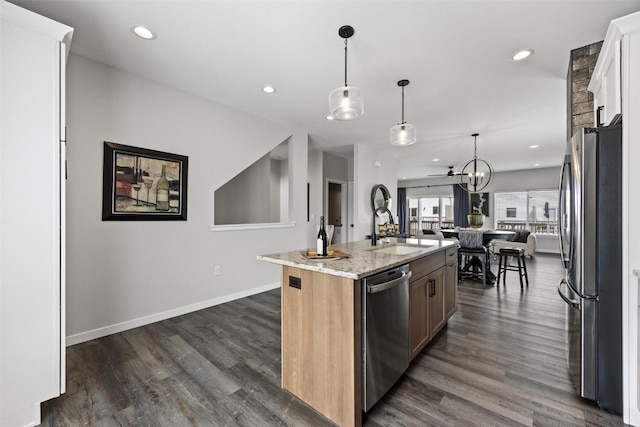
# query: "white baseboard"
{"points": [[25, 416], [141, 321]]}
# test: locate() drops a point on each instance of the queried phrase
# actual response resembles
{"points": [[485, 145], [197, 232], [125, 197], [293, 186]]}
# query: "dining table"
{"points": [[487, 237]]}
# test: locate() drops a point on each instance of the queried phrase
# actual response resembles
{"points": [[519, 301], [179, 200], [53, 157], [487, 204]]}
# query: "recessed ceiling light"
{"points": [[404, 177], [536, 164], [269, 89], [329, 117], [520, 55], [143, 32], [534, 146], [436, 160]]}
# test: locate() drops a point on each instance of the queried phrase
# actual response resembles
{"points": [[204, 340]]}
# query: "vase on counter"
{"points": [[476, 220]]}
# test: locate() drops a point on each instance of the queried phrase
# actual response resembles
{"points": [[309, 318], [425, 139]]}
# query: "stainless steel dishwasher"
{"points": [[385, 332]]}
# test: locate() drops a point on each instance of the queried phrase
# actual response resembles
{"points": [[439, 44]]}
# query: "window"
{"points": [[530, 210], [426, 213]]}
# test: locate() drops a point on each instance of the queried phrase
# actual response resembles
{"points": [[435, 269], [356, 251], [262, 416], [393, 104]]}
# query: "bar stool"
{"points": [[503, 266]]}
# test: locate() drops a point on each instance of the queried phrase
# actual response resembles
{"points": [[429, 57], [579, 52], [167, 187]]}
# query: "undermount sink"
{"points": [[399, 249]]}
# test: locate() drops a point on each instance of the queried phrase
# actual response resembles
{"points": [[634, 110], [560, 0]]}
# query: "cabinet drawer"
{"points": [[451, 255], [425, 265]]}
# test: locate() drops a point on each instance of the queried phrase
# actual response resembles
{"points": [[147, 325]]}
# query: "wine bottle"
{"points": [[162, 192], [321, 243]]}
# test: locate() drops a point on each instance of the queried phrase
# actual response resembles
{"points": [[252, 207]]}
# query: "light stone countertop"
{"points": [[363, 261]]}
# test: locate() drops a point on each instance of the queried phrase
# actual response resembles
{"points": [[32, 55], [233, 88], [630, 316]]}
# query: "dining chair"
{"points": [[472, 255]]}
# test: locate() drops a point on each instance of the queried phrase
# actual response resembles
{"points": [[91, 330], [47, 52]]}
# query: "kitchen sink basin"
{"points": [[400, 249]]}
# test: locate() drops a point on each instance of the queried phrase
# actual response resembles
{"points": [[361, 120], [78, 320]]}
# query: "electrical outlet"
{"points": [[216, 270], [295, 282]]}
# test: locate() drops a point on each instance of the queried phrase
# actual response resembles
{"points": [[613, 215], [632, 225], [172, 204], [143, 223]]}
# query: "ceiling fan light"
{"points": [[346, 103], [403, 134]]}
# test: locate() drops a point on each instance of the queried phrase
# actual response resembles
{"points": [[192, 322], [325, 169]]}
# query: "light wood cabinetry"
{"points": [[322, 331], [321, 343], [451, 282], [437, 315], [32, 229], [419, 333], [433, 296]]}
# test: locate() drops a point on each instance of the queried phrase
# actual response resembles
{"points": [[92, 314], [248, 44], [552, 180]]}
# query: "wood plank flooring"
{"points": [[499, 362]]}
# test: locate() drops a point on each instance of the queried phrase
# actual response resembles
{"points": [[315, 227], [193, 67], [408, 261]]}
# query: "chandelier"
{"points": [[476, 173]]}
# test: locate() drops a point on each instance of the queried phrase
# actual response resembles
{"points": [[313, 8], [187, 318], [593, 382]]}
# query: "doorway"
{"points": [[336, 199]]}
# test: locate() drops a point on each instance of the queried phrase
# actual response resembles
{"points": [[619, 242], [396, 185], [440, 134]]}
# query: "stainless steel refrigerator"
{"points": [[591, 247]]}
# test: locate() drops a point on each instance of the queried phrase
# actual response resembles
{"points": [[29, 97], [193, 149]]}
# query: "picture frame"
{"points": [[140, 184], [480, 201]]}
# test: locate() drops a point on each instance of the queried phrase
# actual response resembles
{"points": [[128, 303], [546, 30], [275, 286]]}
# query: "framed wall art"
{"points": [[479, 202], [143, 185]]}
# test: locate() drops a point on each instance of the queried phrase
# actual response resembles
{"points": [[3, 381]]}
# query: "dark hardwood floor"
{"points": [[500, 361]]}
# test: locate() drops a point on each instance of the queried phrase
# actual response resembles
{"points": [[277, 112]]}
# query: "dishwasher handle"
{"points": [[372, 289]]}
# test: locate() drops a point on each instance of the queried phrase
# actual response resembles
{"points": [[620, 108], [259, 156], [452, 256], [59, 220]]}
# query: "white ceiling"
{"points": [[457, 55]]}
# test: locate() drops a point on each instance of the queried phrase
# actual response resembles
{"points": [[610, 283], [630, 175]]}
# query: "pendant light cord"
{"points": [[345, 63], [475, 149], [403, 122]]}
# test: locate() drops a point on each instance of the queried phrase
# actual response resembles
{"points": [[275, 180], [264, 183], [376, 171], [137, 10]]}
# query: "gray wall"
{"points": [[246, 198], [370, 168], [123, 274]]}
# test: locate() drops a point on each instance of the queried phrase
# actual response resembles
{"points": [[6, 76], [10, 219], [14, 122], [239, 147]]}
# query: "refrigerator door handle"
{"points": [[571, 302], [563, 217]]}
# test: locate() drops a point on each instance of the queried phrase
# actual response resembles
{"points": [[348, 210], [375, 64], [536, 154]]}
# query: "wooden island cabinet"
{"points": [[322, 320], [433, 296]]}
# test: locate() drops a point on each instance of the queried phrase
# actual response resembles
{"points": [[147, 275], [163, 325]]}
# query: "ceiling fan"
{"points": [[450, 173]]}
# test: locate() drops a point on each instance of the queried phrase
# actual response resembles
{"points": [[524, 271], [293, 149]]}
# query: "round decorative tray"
{"points": [[332, 254]]}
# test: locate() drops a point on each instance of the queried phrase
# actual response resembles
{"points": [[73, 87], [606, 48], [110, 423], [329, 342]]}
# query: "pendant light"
{"points": [[476, 173], [403, 133], [346, 103]]}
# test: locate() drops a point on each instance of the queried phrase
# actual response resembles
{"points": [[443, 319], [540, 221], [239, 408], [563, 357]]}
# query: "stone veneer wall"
{"points": [[580, 101]]}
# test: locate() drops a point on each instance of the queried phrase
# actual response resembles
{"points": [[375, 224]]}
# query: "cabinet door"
{"points": [[606, 86], [451, 289], [437, 313], [32, 342], [418, 315], [612, 84]]}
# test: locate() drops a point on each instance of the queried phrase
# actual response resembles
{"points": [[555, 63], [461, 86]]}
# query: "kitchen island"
{"points": [[322, 315]]}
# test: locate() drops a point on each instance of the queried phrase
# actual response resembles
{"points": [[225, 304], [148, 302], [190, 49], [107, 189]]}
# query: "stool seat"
{"points": [[474, 250], [512, 251], [503, 266]]}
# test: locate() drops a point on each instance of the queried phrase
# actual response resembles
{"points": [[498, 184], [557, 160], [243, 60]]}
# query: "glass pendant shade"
{"points": [[403, 134], [346, 103]]}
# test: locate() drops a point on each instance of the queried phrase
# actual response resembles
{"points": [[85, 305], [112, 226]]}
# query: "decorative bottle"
{"points": [[162, 192], [321, 243]]}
